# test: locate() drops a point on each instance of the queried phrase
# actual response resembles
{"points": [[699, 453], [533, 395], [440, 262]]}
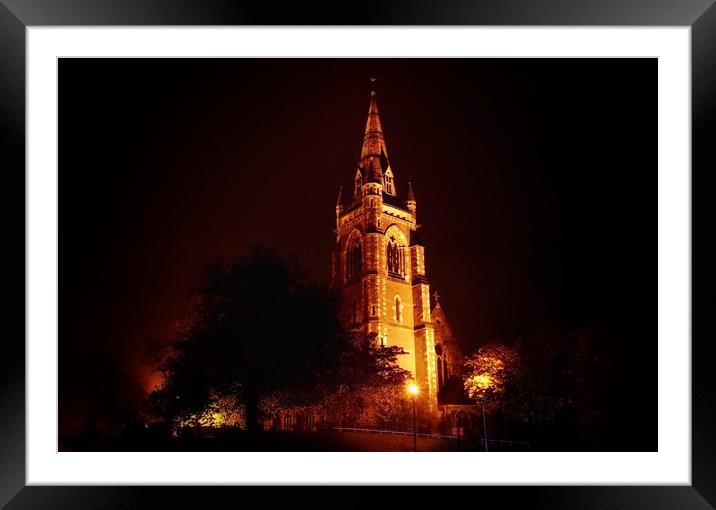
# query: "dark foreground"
{"points": [[322, 441]]}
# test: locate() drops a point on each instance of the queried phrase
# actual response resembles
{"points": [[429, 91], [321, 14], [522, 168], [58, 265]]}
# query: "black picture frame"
{"points": [[700, 15]]}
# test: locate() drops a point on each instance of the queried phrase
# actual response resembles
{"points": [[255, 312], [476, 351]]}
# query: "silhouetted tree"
{"points": [[370, 389], [522, 393], [256, 327], [261, 335]]}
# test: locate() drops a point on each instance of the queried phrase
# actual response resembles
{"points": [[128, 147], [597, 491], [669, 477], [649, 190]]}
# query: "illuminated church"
{"points": [[379, 266]]}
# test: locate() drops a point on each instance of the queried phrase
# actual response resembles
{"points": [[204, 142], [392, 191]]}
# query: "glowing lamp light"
{"points": [[482, 381], [413, 389]]}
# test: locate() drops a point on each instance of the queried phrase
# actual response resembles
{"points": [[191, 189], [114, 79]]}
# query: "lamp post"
{"points": [[484, 426], [413, 390]]}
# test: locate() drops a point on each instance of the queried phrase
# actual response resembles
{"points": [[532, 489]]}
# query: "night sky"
{"points": [[535, 182]]}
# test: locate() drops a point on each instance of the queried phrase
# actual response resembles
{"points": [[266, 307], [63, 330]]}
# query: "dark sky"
{"points": [[535, 181]]}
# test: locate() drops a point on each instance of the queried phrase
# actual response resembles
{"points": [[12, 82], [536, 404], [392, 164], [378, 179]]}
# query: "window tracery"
{"points": [[395, 258]]}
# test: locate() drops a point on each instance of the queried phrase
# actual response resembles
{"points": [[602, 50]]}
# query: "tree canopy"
{"points": [[523, 392], [260, 334], [489, 370]]}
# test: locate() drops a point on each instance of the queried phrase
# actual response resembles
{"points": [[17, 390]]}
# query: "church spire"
{"points": [[373, 139]]}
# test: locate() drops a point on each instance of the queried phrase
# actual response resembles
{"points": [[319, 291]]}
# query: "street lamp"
{"points": [[413, 390], [481, 386], [484, 426]]}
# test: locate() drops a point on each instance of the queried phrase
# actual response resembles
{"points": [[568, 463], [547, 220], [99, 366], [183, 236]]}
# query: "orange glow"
{"points": [[223, 411], [214, 419], [152, 380], [482, 381], [487, 370]]}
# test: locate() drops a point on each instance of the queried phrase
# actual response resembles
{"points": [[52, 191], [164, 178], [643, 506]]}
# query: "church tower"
{"points": [[379, 262]]}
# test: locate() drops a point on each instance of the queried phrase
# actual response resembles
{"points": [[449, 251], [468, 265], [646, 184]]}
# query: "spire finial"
{"points": [[411, 197], [437, 297], [373, 79], [339, 202]]}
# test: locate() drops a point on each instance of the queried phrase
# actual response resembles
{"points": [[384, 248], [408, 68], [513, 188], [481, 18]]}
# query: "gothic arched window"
{"points": [[354, 259], [398, 314], [396, 258]]}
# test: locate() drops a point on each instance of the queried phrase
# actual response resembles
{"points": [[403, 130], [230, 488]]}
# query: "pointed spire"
{"points": [[373, 139], [339, 202], [411, 203]]}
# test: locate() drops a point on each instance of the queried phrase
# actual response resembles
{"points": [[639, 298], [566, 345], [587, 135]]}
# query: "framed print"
{"points": [[404, 246]]}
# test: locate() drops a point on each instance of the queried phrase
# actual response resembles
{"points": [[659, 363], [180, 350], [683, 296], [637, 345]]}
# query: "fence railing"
{"points": [[506, 442], [490, 442], [390, 432]]}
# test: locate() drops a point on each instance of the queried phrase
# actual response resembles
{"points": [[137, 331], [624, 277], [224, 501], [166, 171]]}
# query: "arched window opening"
{"points": [[398, 317], [354, 260], [396, 259], [440, 373]]}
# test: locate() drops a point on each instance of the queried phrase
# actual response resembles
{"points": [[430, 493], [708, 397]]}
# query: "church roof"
{"points": [[394, 201], [415, 239]]}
